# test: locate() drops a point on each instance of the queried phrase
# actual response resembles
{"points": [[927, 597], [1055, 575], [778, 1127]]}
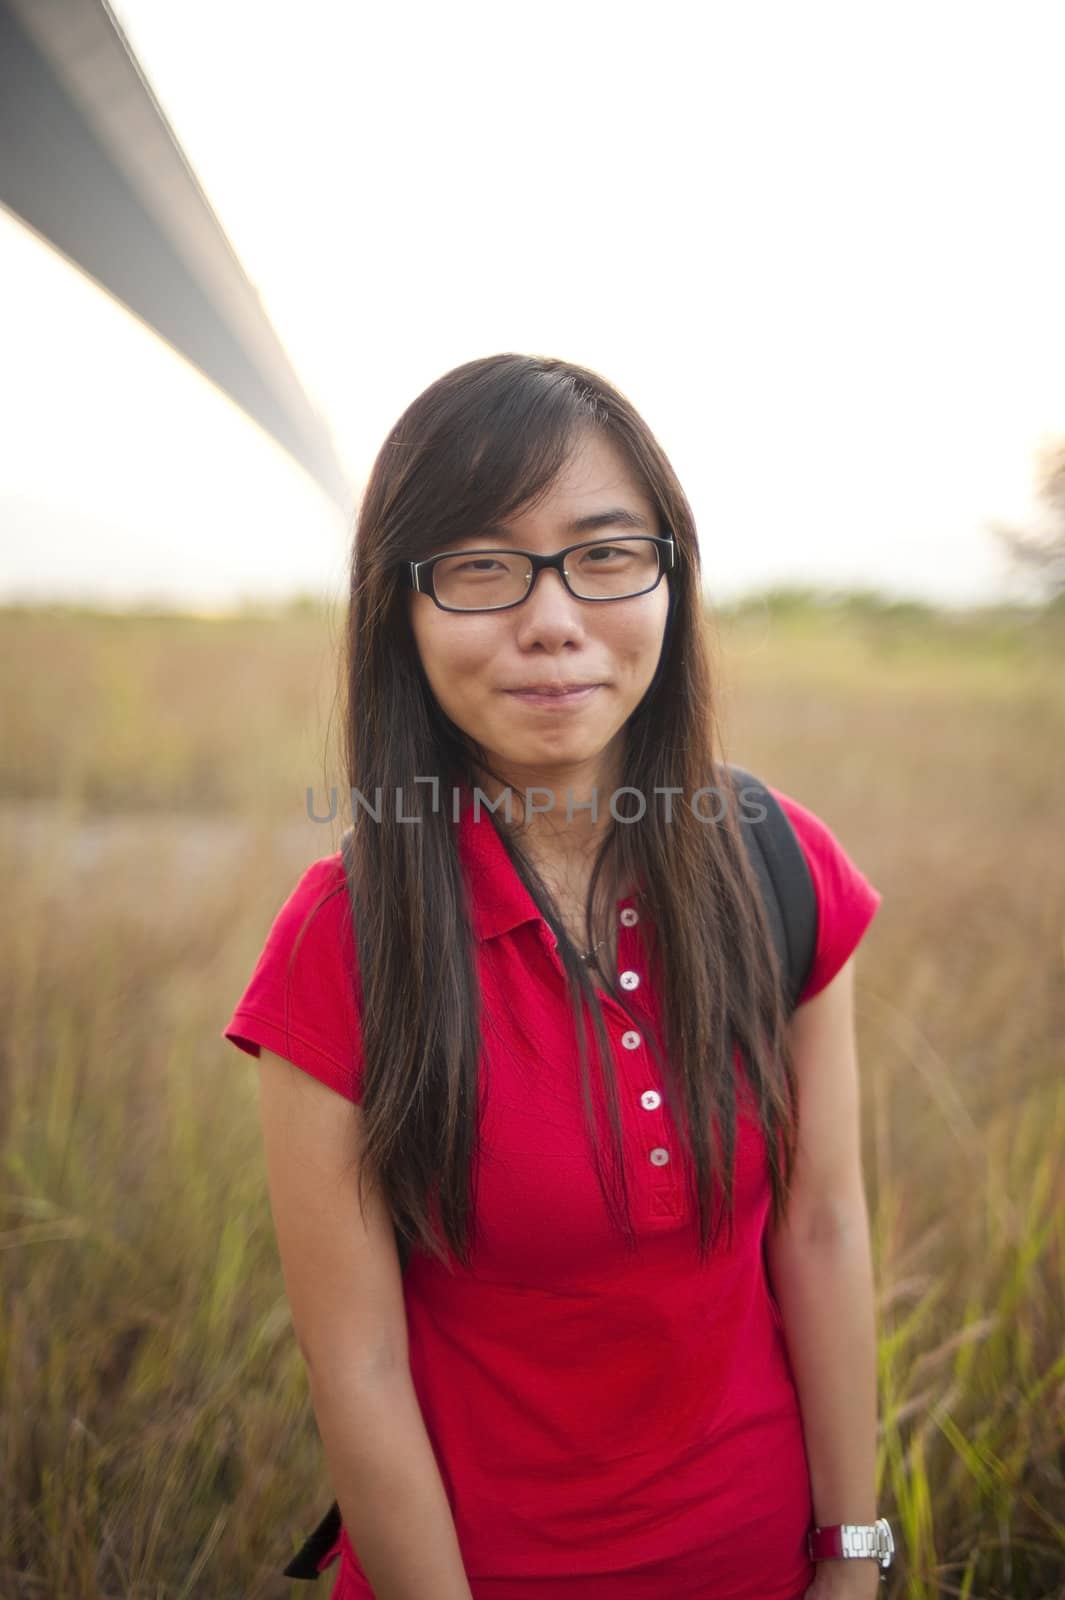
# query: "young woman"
{"points": [[569, 1203]]}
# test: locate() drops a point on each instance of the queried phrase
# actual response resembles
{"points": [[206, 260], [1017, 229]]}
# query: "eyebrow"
{"points": [[615, 517]]}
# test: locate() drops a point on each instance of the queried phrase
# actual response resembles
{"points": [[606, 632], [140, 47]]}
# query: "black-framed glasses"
{"points": [[496, 580]]}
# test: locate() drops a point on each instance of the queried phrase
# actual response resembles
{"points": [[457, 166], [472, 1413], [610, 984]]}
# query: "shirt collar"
{"points": [[499, 901]]}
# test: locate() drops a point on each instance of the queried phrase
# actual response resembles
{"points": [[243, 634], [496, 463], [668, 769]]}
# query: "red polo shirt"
{"points": [[608, 1425]]}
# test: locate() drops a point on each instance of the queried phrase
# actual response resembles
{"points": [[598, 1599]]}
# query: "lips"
{"points": [[552, 688], [555, 699]]}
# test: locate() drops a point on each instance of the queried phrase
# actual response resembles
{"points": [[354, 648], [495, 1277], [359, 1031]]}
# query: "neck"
{"points": [[576, 815]]}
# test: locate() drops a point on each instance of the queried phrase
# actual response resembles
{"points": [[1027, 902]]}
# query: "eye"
{"points": [[475, 564], [607, 551]]}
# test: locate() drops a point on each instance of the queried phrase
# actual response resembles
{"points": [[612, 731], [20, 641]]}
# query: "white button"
{"points": [[629, 980], [631, 1040], [629, 918], [650, 1099], [659, 1156]]}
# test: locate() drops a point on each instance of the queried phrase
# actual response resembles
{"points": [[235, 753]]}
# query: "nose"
{"points": [[549, 606], [549, 576]]}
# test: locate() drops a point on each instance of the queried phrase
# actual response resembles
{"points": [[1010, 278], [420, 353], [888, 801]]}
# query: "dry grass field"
{"points": [[156, 1438]]}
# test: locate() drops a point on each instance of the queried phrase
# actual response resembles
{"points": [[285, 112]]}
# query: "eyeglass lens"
{"points": [[480, 580]]}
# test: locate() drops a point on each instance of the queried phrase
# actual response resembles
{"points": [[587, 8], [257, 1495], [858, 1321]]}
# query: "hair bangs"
{"points": [[497, 446]]}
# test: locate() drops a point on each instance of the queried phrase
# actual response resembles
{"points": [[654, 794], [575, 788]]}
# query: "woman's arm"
{"points": [[345, 1290], [820, 1268]]}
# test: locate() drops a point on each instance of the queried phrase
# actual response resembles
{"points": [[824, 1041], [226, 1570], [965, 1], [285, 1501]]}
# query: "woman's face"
{"points": [[473, 662]]}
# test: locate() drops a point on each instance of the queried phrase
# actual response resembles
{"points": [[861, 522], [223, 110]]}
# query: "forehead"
{"points": [[595, 489], [595, 470]]}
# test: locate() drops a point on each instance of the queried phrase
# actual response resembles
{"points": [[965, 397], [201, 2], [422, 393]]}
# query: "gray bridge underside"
{"points": [[89, 162]]}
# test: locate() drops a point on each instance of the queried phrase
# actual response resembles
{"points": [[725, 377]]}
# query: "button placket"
{"points": [[663, 1194], [631, 1039]]}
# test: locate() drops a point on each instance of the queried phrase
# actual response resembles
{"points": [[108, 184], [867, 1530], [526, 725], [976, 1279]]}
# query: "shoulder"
{"points": [[303, 998], [319, 899], [813, 832], [847, 900]]}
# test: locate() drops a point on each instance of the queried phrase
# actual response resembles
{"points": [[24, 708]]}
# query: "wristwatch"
{"points": [[846, 1539]]}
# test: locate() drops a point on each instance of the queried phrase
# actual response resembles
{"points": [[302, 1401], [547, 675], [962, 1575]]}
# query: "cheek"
{"points": [[657, 632], [638, 641], [457, 667]]}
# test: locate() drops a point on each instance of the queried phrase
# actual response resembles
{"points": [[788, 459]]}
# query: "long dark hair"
{"points": [[480, 443]]}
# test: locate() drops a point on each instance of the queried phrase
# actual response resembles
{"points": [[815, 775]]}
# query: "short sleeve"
{"points": [[846, 900], [301, 1001]]}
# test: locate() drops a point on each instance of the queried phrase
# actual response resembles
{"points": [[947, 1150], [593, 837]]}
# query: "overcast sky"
{"points": [[821, 247]]}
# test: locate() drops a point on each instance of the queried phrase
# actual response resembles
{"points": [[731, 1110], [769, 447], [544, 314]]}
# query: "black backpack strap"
{"points": [[305, 1563], [780, 865]]}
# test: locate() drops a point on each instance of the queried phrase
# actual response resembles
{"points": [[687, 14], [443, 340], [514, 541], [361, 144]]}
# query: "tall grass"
{"points": [[156, 1438]]}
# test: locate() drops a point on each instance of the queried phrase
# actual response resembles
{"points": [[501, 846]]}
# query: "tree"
{"points": [[1041, 551]]}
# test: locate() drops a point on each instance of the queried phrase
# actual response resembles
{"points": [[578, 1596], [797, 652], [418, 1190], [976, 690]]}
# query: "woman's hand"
{"points": [[845, 1580]]}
